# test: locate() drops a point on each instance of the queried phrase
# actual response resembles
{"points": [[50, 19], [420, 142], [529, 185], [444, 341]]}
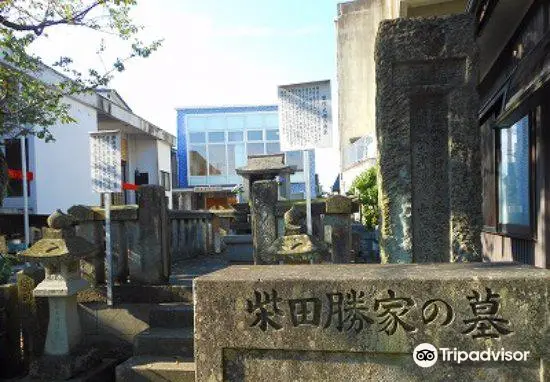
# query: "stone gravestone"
{"points": [[353, 322], [337, 227], [149, 262], [428, 139], [264, 222]]}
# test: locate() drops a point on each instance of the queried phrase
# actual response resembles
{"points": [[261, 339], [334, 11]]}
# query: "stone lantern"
{"points": [[60, 251]]}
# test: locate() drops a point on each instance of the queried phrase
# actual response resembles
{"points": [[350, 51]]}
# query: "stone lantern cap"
{"points": [[265, 164], [59, 242]]}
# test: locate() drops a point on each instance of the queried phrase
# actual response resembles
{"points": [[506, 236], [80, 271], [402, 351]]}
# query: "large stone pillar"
{"points": [[264, 220], [428, 140], [149, 263]]}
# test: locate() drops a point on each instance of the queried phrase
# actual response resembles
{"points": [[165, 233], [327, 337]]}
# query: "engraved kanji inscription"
{"points": [[305, 311], [392, 310], [349, 311], [486, 323], [265, 309], [432, 309]]}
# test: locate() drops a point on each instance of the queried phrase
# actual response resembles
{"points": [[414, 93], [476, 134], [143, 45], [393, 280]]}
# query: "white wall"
{"points": [[350, 174], [165, 164], [146, 158], [62, 168]]}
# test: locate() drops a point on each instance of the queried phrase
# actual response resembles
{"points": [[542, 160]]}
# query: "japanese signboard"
{"points": [[105, 149], [305, 116]]}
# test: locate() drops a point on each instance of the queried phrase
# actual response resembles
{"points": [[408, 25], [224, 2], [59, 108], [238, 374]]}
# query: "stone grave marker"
{"points": [[351, 322], [428, 139]]}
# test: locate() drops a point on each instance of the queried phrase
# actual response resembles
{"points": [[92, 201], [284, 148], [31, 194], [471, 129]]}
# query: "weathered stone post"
{"points": [[428, 139], [33, 311], [264, 220], [337, 227], [149, 263], [10, 352], [93, 269], [60, 251]]}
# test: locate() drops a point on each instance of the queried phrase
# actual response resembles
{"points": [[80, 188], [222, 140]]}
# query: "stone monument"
{"points": [[355, 322], [60, 251], [428, 140]]}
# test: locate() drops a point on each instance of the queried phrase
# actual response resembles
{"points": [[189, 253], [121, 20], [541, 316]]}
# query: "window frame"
{"points": [[165, 179], [517, 230]]}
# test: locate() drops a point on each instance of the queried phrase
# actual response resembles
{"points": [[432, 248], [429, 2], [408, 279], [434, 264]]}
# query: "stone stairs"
{"points": [[164, 352]]}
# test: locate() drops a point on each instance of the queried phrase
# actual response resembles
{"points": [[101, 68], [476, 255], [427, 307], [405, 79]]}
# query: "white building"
{"points": [[61, 170]]}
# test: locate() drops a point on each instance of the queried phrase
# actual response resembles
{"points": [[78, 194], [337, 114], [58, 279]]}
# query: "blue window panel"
{"points": [[514, 196], [197, 180]]}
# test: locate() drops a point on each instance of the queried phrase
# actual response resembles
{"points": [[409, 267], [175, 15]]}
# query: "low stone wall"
{"points": [[193, 233], [368, 322]]}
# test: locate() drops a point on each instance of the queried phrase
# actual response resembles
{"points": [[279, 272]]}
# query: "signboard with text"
{"points": [[305, 116], [105, 149]]}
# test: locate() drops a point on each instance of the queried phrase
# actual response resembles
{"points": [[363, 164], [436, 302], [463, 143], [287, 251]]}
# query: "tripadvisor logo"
{"points": [[426, 355]]}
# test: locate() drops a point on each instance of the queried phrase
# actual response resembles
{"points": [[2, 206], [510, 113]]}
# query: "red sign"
{"points": [[18, 175]]}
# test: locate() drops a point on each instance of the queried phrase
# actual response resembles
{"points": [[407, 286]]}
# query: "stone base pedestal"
{"points": [[354, 322], [62, 367]]}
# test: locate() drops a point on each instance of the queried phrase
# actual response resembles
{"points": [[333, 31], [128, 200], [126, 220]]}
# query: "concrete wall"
{"points": [[356, 29]]}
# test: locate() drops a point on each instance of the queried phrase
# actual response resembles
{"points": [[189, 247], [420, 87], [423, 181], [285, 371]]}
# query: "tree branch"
{"points": [[39, 28]]}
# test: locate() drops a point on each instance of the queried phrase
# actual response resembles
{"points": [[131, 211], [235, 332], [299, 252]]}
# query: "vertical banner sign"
{"points": [[305, 116], [305, 123], [105, 149]]}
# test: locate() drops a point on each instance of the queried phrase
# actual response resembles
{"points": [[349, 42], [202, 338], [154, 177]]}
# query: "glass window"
{"points": [[217, 137], [235, 123], [254, 121], [197, 138], [254, 135], [216, 123], [254, 149], [272, 135], [197, 160], [273, 148], [236, 157], [513, 183], [196, 123], [272, 120], [216, 160], [235, 136], [295, 158]]}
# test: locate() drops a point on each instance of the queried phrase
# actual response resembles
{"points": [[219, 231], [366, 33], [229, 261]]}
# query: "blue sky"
{"points": [[218, 52]]}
